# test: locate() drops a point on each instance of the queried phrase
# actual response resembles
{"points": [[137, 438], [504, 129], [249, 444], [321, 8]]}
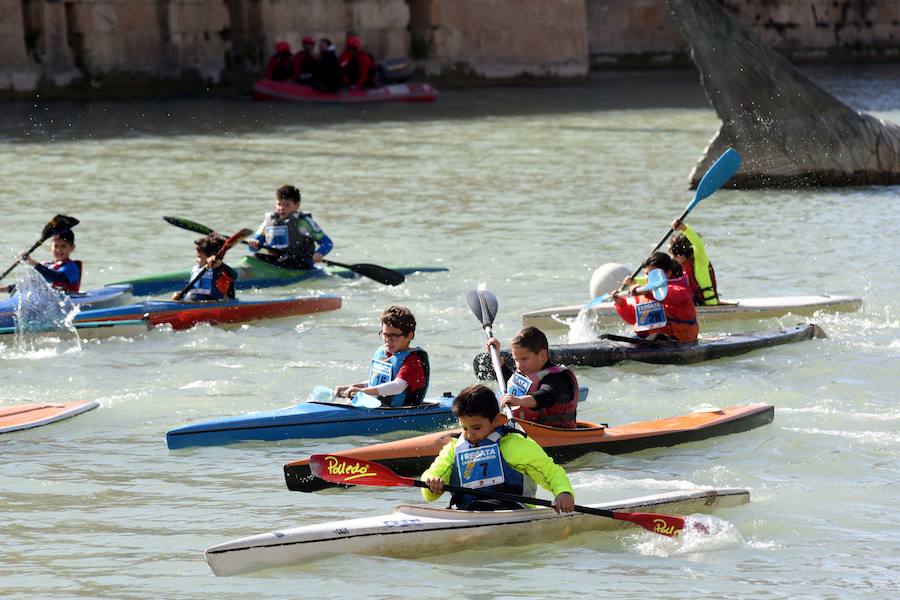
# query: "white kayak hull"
{"points": [[746, 308], [414, 531]]}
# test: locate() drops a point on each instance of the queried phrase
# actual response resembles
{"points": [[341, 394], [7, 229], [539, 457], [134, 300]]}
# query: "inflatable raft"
{"points": [[288, 91]]}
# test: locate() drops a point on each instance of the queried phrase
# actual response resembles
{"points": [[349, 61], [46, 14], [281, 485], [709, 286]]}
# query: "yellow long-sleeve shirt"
{"points": [[523, 454]]}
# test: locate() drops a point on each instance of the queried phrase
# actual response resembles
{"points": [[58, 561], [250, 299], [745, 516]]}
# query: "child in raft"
{"points": [[217, 283], [493, 456], [539, 390], [672, 319], [398, 374], [290, 239], [687, 248], [62, 272]]}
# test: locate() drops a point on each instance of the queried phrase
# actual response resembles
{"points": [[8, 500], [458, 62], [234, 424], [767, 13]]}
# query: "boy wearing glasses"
{"points": [[398, 374]]}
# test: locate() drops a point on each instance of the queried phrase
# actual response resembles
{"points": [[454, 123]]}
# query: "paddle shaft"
{"points": [[18, 260], [54, 226], [219, 256]]}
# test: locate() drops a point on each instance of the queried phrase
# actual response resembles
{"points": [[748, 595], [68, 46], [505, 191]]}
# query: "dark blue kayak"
{"points": [[318, 420], [100, 298]]}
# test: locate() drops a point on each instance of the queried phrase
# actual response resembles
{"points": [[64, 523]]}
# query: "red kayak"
{"points": [[267, 89], [184, 315]]}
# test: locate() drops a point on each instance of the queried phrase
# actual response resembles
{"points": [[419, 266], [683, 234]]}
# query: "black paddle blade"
{"points": [[57, 224], [483, 305], [189, 225], [374, 272]]}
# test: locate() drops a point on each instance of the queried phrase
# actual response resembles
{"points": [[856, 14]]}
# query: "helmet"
{"points": [[308, 39], [607, 277], [353, 41], [282, 47]]}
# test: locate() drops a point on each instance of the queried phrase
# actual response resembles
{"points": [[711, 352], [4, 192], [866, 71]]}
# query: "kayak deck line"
{"points": [[411, 456], [417, 530], [745, 308]]}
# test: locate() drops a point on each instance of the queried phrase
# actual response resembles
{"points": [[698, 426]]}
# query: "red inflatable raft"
{"points": [[267, 89]]}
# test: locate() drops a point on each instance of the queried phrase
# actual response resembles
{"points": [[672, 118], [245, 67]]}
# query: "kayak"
{"points": [[614, 349], [318, 420], [413, 531], [410, 457], [105, 297], [184, 315], [27, 416], [267, 89], [747, 308], [252, 273], [95, 329]]}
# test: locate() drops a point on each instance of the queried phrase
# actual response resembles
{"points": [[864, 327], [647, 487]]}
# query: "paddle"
{"points": [[656, 282], [375, 272], [483, 305], [234, 239], [55, 225], [325, 395], [355, 471]]}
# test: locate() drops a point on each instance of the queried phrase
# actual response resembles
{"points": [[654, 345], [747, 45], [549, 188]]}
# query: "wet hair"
{"points": [[399, 317], [66, 235], [532, 339], [210, 244], [476, 401], [681, 246], [288, 192], [661, 260]]}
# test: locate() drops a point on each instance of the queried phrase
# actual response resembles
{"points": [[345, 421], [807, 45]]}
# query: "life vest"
{"points": [[69, 288], [678, 321], [558, 415], [483, 467], [352, 69], [280, 67], [209, 286], [704, 289], [289, 236], [384, 369]]}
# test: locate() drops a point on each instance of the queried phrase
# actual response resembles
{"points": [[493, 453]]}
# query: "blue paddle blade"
{"points": [[598, 300], [321, 393], [720, 172], [657, 283], [361, 400]]}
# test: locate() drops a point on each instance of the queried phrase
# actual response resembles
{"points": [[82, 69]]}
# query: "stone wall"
{"points": [[641, 32]]}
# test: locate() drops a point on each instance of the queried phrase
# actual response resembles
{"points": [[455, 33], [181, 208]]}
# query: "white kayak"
{"points": [[746, 308], [416, 530]]}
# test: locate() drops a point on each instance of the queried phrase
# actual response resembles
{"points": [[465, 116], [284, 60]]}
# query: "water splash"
{"points": [[41, 310], [702, 533]]}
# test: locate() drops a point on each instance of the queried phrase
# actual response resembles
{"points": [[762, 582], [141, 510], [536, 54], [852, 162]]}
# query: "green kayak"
{"points": [[252, 273]]}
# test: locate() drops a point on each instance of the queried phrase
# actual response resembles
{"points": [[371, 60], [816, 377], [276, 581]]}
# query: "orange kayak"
{"points": [[26, 416], [411, 456]]}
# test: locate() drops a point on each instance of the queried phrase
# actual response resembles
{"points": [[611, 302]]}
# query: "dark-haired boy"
{"points": [[541, 391], [398, 374], [217, 283], [290, 239], [493, 456], [62, 272]]}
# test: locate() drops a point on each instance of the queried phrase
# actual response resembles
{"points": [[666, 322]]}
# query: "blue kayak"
{"points": [[318, 420], [100, 298]]}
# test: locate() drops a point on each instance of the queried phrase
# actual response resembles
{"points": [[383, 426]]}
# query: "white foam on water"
{"points": [[702, 533]]}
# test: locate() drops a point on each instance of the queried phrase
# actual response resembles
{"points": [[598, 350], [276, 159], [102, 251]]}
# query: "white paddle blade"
{"points": [[361, 400]]}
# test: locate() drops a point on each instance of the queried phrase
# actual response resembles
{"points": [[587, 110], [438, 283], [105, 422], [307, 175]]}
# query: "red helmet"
{"points": [[308, 39], [282, 47], [353, 41]]}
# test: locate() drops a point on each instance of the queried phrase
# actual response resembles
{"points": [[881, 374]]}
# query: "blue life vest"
{"points": [[482, 470], [384, 369]]}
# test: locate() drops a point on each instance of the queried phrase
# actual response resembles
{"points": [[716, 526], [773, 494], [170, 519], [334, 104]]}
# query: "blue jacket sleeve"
{"points": [[68, 273]]}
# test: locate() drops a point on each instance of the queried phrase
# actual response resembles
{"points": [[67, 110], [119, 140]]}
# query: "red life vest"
{"points": [[558, 415], [701, 294], [681, 316], [69, 288]]}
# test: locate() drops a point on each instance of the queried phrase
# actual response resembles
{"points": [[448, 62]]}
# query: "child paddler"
{"points": [[398, 374], [492, 456], [672, 319], [62, 272], [687, 248], [217, 283], [290, 238], [538, 390]]}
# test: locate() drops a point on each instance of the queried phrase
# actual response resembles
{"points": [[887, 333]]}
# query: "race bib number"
{"points": [[277, 236], [379, 372], [649, 315], [518, 385], [480, 467]]}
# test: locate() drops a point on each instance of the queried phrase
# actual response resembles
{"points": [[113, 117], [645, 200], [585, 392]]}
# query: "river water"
{"points": [[526, 190]]}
